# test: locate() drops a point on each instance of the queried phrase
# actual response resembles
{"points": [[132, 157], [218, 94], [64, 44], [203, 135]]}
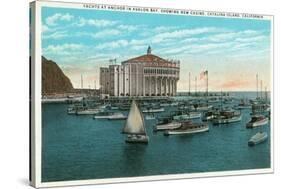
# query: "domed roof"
{"points": [[151, 60]]}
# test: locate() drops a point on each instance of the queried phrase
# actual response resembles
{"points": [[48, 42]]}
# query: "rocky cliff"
{"points": [[53, 79]]}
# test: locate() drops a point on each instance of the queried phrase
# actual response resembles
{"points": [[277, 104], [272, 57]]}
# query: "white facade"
{"points": [[147, 75]]}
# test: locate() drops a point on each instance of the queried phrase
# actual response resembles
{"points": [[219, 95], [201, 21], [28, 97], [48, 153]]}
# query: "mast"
{"points": [[265, 93], [81, 81], [261, 89], [257, 84], [221, 99], [189, 84], [207, 75], [195, 85]]}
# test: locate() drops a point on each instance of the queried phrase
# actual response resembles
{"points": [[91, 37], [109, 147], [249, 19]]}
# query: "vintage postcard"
{"points": [[122, 93]]}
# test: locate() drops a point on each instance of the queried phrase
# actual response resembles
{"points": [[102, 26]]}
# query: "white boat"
{"points": [[166, 125], [88, 111], [109, 115], [153, 110], [189, 115], [134, 127], [209, 115], [114, 107], [260, 108], [227, 120], [257, 120], [150, 117], [117, 116], [73, 99], [228, 116], [188, 128], [201, 107], [174, 104], [165, 104], [258, 138], [74, 108], [54, 100]]}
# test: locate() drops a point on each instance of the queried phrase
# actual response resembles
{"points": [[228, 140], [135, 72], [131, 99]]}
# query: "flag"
{"points": [[203, 74]]}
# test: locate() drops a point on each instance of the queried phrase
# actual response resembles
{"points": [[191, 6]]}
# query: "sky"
{"points": [[233, 50]]}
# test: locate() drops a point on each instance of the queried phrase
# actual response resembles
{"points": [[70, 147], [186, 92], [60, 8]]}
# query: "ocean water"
{"points": [[79, 147]]}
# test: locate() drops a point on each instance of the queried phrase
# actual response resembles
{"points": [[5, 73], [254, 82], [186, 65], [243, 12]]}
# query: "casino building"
{"points": [[146, 75]]}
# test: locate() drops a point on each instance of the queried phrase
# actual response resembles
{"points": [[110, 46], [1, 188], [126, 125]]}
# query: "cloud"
{"points": [[134, 44], [106, 33], [241, 36], [113, 44], [64, 49], [55, 35], [45, 28], [183, 33], [95, 22], [252, 39], [52, 20], [128, 28]]}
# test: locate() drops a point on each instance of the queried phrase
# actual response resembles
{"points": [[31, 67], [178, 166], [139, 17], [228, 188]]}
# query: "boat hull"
{"points": [[257, 123], [187, 116], [154, 110], [87, 112], [137, 139], [117, 118], [257, 139], [188, 131], [226, 121], [167, 126]]}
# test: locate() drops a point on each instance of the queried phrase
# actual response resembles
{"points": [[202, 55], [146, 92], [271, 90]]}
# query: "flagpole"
{"points": [[207, 80], [189, 84], [257, 83], [196, 86], [261, 90]]}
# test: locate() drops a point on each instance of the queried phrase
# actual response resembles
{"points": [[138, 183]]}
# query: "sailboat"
{"points": [[134, 127]]}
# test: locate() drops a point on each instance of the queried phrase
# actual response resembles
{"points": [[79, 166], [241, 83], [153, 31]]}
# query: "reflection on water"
{"points": [[134, 159]]}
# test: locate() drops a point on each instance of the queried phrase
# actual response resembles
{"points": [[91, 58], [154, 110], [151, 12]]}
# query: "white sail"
{"points": [[135, 123]]}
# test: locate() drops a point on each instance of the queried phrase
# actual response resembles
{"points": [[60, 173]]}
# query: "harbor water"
{"points": [[79, 147]]}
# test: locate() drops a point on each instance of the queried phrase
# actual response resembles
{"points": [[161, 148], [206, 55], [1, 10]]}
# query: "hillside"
{"points": [[53, 78]]}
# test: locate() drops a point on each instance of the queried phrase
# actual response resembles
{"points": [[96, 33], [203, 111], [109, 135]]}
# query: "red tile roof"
{"points": [[151, 60]]}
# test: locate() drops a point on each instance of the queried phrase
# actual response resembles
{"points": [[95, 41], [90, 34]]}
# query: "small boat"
{"points": [[174, 104], [74, 99], [113, 107], [54, 99], [166, 124], [124, 107], [227, 116], [188, 127], [117, 116], [165, 104], [153, 110], [258, 138], [260, 108], [74, 108], [201, 107], [214, 101], [88, 111], [209, 115], [150, 117], [244, 105], [109, 115], [184, 116], [135, 126], [257, 120]]}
